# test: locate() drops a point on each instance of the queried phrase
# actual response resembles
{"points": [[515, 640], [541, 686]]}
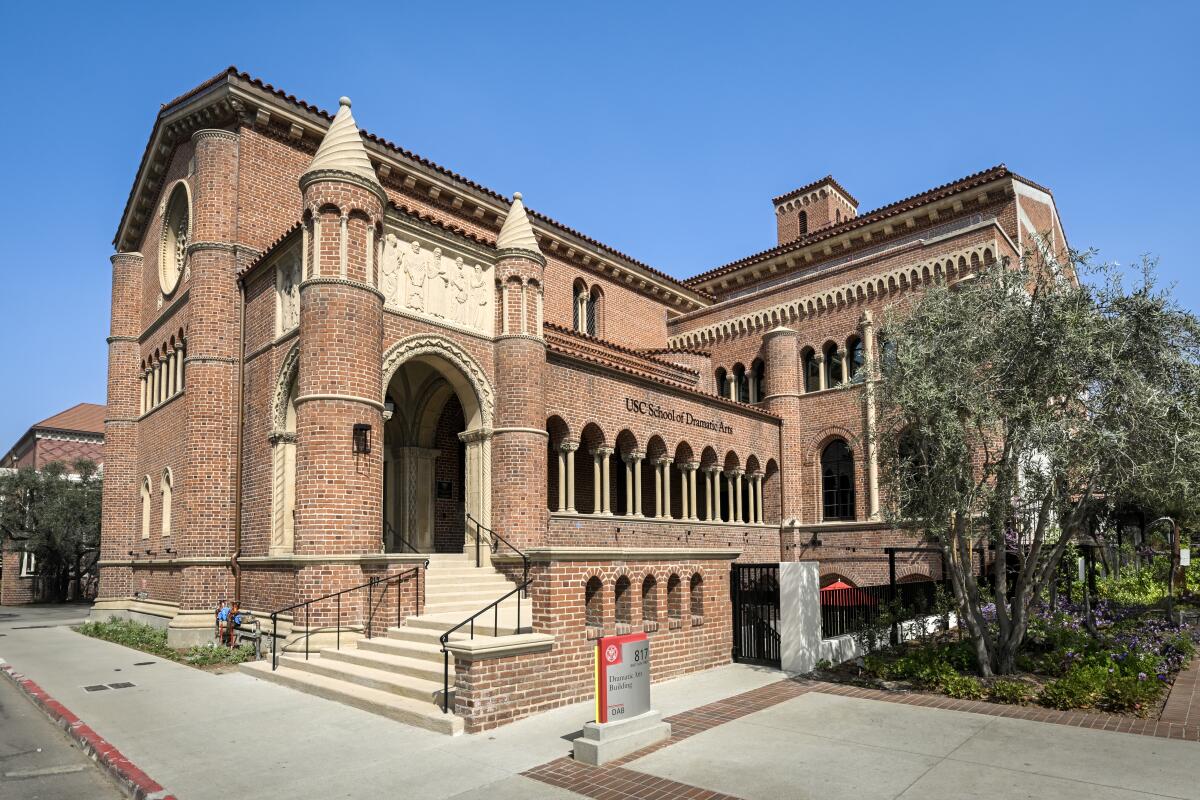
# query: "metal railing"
{"points": [[495, 540], [397, 578], [405, 544]]}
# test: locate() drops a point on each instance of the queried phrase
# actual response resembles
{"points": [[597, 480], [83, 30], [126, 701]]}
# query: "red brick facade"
{"points": [[391, 302]]}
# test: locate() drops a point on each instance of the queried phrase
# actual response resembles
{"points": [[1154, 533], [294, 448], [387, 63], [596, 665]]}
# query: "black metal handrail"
{"points": [[494, 543], [445, 637], [398, 577], [397, 536]]}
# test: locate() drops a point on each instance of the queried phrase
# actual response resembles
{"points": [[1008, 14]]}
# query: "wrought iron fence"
{"points": [[856, 608]]}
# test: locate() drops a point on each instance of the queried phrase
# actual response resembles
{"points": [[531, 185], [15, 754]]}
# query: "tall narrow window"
{"points": [[757, 381], [649, 604], [697, 599], [146, 507], [593, 599], [674, 602], [812, 372], [579, 310], [837, 481], [833, 366], [166, 489], [855, 357], [624, 606], [741, 384], [594, 301], [803, 223], [722, 383]]}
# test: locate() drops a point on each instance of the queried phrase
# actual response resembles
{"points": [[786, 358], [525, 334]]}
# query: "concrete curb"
{"points": [[125, 773]]}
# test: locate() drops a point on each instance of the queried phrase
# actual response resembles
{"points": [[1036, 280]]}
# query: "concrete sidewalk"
{"points": [[191, 730]]}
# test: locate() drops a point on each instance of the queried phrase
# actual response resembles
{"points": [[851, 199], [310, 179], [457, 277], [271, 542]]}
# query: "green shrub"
{"points": [[153, 640], [130, 634], [964, 687], [1130, 693], [1081, 687], [1011, 692]]}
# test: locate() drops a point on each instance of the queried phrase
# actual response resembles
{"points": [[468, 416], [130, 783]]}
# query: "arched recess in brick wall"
{"points": [[437, 447], [283, 455]]}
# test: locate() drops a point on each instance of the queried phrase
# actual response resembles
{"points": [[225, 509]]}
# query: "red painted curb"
{"points": [[133, 781]]}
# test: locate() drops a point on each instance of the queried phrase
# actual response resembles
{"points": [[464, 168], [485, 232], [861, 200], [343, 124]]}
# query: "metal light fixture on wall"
{"points": [[362, 439]]}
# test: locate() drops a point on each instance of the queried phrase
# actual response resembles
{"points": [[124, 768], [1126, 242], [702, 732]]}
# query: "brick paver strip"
{"points": [[613, 780], [128, 777], [1183, 704]]}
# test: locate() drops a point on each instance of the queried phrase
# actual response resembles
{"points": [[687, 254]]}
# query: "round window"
{"points": [[176, 224]]}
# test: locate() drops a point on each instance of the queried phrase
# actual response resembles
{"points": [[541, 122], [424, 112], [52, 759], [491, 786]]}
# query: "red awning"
{"points": [[839, 593]]}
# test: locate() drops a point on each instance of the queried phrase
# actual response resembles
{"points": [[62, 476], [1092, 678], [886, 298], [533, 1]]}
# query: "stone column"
{"points": [[658, 488], [180, 354], [597, 482], [845, 367], [758, 502], [751, 513], [689, 470], [730, 501], [823, 369], [867, 324], [604, 457], [562, 479], [737, 495], [636, 462], [569, 448], [714, 475]]}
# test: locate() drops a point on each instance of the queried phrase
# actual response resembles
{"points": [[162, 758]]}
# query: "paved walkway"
{"points": [[738, 731], [1183, 706]]}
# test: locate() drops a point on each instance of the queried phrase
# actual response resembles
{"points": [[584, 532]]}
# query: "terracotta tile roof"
{"points": [[82, 418], [234, 72], [828, 179], [892, 209]]}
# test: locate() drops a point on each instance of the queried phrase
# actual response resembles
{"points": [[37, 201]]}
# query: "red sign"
{"points": [[622, 676]]}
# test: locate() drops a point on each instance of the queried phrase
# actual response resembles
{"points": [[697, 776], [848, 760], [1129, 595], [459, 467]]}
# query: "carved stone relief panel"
{"points": [[287, 291], [424, 277]]}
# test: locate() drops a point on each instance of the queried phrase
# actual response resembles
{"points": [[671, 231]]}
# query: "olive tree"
{"points": [[1018, 403], [54, 513]]}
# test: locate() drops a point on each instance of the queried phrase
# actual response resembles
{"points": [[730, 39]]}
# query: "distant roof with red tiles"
{"points": [[82, 418], [898, 207]]}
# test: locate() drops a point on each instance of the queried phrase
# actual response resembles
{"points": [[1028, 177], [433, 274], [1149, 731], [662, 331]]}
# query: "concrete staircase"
{"points": [[400, 675]]}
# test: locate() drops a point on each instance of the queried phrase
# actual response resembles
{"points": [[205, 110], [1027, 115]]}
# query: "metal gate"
{"points": [[755, 594]]}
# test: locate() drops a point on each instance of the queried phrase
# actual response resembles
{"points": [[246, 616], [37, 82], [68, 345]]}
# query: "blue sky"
{"points": [[662, 129]]}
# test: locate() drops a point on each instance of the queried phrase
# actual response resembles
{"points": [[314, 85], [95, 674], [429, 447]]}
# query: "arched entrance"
{"points": [[437, 432]]}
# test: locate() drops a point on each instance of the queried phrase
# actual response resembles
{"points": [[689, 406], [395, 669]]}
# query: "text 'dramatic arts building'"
{"points": [[334, 362]]}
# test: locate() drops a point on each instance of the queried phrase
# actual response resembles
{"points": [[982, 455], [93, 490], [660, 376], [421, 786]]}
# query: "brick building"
{"points": [[65, 437], [332, 360]]}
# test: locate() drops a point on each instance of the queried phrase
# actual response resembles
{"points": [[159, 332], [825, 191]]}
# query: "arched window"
{"points": [[593, 602], [812, 371], [803, 223], [146, 507], [697, 599], [649, 604], [855, 357], [757, 382], [887, 353], [837, 481], [837, 215], [624, 606], [833, 366], [579, 310], [595, 302], [915, 458], [722, 383], [165, 488], [674, 602]]}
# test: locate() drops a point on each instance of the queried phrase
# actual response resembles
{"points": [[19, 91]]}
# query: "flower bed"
{"points": [[1126, 668], [153, 640]]}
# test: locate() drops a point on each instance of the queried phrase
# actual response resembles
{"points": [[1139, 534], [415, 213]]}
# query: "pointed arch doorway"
{"points": [[437, 443]]}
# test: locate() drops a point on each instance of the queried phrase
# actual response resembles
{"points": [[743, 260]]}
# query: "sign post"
{"points": [[624, 720]]}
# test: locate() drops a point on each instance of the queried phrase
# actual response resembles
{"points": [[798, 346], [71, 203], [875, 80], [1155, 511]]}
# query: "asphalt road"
{"points": [[38, 761]]}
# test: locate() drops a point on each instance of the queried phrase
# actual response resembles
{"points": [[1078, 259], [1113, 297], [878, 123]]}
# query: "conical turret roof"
{"points": [[342, 148], [516, 233]]}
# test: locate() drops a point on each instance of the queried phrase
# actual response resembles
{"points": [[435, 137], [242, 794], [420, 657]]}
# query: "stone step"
{"points": [[406, 648], [439, 573], [400, 665], [446, 621], [420, 713], [429, 690], [479, 595]]}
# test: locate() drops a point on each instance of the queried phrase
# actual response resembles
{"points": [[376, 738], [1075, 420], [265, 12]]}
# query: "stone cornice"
{"points": [[321, 280], [342, 176], [513, 252], [552, 554], [215, 133]]}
